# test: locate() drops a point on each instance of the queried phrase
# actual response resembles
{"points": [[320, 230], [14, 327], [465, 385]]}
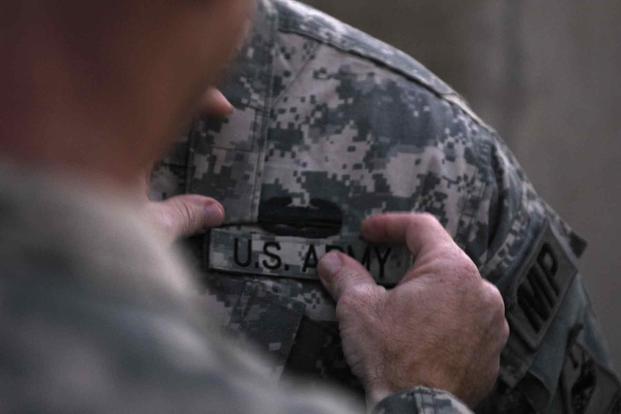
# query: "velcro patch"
{"points": [[544, 281], [247, 252]]}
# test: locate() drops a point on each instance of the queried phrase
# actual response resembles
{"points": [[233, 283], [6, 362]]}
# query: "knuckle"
{"points": [[493, 298], [351, 301], [159, 214], [496, 307], [505, 333], [185, 213], [357, 298], [459, 266], [418, 221], [427, 218], [183, 216], [166, 224], [498, 303], [467, 266]]}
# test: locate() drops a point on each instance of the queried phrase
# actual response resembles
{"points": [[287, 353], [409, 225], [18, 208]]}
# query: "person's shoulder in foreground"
{"points": [[325, 112]]}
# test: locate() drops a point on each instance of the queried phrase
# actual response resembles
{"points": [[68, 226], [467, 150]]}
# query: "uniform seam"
{"points": [[483, 156], [262, 130], [434, 395], [286, 25], [345, 50], [449, 98], [477, 195], [298, 73], [190, 160]]}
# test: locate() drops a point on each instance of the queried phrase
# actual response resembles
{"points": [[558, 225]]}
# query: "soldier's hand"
{"points": [[187, 215], [442, 327], [184, 216]]}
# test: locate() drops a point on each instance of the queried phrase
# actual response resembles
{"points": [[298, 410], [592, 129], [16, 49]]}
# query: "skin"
{"points": [[101, 89], [97, 91], [442, 326], [77, 110]]}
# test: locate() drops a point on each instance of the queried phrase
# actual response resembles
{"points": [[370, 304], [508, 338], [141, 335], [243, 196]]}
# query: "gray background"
{"points": [[547, 76]]}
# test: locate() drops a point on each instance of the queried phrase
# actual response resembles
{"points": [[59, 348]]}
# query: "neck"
{"points": [[64, 140], [63, 114]]}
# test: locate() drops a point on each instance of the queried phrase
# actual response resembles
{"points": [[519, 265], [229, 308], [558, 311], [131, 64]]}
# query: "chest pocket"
{"points": [[269, 321]]}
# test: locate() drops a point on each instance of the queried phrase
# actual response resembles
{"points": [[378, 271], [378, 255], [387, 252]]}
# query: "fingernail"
{"points": [[214, 214], [331, 264]]}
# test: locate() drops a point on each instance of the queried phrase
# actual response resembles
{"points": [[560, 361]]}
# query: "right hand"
{"points": [[442, 327]]}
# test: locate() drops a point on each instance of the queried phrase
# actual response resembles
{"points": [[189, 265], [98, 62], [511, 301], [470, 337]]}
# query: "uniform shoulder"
{"points": [[294, 17]]}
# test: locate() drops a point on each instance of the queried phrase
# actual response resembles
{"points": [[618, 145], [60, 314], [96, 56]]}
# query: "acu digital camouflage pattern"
{"points": [[97, 315], [426, 400], [329, 117]]}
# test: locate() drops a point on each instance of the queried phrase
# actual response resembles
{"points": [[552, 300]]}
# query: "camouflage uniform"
{"points": [[333, 126], [97, 315]]}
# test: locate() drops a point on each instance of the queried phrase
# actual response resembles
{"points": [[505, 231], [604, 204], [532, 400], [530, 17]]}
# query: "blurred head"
{"points": [[102, 88]]}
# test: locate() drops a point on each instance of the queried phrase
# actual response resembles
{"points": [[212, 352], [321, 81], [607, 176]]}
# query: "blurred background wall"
{"points": [[547, 76]]}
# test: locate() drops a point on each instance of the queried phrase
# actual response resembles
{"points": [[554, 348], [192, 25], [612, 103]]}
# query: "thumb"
{"points": [[186, 215], [340, 273], [215, 104]]}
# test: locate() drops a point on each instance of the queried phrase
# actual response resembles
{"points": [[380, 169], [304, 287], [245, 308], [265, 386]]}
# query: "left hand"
{"points": [[184, 215]]}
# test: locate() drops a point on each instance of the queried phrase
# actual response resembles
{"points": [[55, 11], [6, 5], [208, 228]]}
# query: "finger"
{"points": [[186, 215], [215, 104], [339, 273], [421, 233]]}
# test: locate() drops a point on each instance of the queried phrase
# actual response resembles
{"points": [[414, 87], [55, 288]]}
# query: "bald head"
{"points": [[101, 88]]}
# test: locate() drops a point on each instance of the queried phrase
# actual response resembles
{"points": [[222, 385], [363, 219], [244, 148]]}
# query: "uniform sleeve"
{"points": [[422, 401], [556, 359]]}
